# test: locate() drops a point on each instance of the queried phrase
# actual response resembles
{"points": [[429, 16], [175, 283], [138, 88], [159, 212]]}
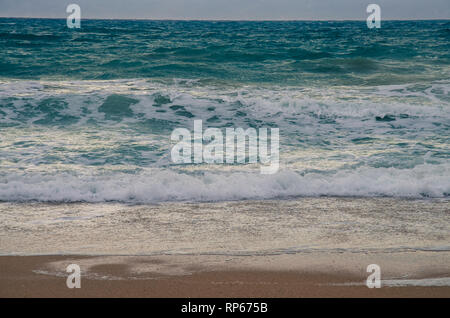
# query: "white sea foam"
{"points": [[274, 103], [168, 185], [340, 133], [424, 282]]}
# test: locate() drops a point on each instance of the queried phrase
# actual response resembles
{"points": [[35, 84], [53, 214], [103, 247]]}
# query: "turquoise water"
{"points": [[86, 114]]}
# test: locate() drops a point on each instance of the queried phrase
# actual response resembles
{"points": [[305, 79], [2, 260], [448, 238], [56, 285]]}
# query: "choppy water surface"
{"points": [[86, 115]]}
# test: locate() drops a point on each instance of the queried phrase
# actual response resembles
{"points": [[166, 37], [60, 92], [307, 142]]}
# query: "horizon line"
{"points": [[227, 20]]}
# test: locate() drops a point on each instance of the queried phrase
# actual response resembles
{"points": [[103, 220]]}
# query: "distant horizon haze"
{"points": [[231, 10]]}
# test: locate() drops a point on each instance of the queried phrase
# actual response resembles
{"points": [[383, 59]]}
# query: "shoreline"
{"points": [[316, 247], [406, 198], [252, 227]]}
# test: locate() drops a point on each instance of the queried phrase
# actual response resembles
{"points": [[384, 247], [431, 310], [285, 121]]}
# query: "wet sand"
{"points": [[44, 276], [307, 247]]}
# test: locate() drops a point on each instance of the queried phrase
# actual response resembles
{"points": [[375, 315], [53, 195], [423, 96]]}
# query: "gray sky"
{"points": [[229, 9]]}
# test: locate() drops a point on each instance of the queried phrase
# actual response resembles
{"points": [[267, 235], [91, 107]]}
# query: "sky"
{"points": [[229, 9]]}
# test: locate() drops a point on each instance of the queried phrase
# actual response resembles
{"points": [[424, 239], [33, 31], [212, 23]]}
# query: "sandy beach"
{"points": [[115, 276], [321, 247]]}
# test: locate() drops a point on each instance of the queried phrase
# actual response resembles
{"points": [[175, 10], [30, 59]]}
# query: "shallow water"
{"points": [[246, 228]]}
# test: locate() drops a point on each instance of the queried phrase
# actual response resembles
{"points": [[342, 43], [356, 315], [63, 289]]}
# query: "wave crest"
{"points": [[159, 185]]}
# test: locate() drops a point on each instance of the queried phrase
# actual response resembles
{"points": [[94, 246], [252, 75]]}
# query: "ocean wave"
{"points": [[289, 52], [334, 141], [157, 185], [139, 99], [29, 36]]}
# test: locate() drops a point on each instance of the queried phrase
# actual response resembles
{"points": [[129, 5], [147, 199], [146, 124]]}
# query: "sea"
{"points": [[86, 117]]}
